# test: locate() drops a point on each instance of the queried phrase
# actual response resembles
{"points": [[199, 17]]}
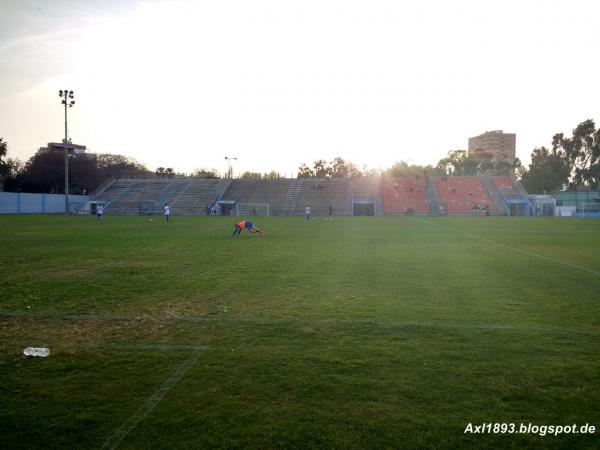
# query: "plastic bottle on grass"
{"points": [[36, 351]]}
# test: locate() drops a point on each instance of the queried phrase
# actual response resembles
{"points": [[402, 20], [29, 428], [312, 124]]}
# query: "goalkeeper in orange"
{"points": [[246, 224]]}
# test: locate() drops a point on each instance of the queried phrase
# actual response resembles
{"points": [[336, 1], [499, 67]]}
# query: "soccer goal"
{"points": [[146, 208], [590, 209], [253, 209]]}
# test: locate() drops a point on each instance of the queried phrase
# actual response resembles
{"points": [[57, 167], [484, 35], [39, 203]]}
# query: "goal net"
{"points": [[253, 209], [590, 209], [146, 208]]}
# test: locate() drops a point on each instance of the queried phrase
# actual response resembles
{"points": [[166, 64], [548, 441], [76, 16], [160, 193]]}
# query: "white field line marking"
{"points": [[525, 252], [115, 440], [115, 346], [388, 323]]}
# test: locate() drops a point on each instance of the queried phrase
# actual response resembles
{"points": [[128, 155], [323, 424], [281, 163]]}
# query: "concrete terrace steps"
{"points": [[436, 207], [195, 197], [365, 190], [139, 191], [320, 194], [405, 196], [277, 193], [457, 195], [291, 199], [496, 197], [460, 194]]}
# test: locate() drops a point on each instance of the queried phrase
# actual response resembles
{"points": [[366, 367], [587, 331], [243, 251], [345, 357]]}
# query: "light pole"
{"points": [[228, 158], [67, 100]]}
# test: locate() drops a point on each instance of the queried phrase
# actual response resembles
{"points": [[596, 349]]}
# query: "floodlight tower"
{"points": [[67, 99], [228, 158]]}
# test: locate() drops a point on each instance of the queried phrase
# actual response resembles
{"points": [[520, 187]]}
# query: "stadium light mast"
{"points": [[67, 99], [228, 158]]}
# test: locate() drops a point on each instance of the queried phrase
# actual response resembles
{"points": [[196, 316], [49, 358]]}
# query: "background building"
{"points": [[73, 149], [501, 145]]}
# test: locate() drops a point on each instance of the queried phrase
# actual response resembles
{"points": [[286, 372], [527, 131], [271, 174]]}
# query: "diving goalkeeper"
{"points": [[246, 224]]}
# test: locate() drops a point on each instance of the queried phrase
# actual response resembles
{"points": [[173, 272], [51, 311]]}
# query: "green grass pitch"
{"points": [[387, 332]]}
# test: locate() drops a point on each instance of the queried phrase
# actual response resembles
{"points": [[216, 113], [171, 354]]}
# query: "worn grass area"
{"points": [[352, 333]]}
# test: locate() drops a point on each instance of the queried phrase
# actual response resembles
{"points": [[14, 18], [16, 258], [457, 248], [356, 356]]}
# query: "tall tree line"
{"points": [[45, 172], [574, 161]]}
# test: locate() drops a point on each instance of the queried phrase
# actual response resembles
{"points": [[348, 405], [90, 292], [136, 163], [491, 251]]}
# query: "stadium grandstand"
{"points": [[460, 195], [405, 196]]}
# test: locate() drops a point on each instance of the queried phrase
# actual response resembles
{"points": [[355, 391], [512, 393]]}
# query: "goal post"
{"points": [[590, 209], [146, 208], [253, 209]]}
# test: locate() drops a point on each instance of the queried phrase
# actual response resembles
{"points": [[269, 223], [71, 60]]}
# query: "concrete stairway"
{"points": [[499, 203], [291, 198], [436, 207]]}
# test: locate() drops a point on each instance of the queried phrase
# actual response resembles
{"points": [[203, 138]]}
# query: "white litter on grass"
{"points": [[36, 351]]}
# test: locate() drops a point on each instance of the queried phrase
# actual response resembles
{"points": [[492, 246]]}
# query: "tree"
{"points": [[403, 169], [3, 165], [118, 166], [372, 173], [206, 173], [45, 172], [477, 162], [272, 175], [305, 172], [12, 177], [342, 169], [338, 168], [548, 171], [321, 169], [3, 148], [251, 175], [84, 175], [160, 172], [583, 152]]}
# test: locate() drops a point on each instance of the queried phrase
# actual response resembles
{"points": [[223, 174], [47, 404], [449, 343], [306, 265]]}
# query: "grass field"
{"points": [[352, 333]]}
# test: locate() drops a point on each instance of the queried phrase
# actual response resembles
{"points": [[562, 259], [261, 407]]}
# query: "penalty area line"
{"points": [[115, 439]]}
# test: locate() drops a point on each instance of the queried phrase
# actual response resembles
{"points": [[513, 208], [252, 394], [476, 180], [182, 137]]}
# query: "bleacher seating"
{"points": [[506, 187], [194, 198], [404, 196], [461, 195], [458, 195], [261, 192], [128, 202], [138, 195], [364, 189], [115, 191], [319, 194]]}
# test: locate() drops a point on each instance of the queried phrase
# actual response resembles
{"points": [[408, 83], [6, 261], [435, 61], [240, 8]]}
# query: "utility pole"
{"points": [[67, 100], [229, 172]]}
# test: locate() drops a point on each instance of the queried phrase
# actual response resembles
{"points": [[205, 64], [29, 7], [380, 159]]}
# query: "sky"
{"points": [[184, 84]]}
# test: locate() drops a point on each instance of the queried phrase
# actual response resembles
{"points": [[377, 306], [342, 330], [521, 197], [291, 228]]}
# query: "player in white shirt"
{"points": [[307, 211], [167, 211], [99, 211]]}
